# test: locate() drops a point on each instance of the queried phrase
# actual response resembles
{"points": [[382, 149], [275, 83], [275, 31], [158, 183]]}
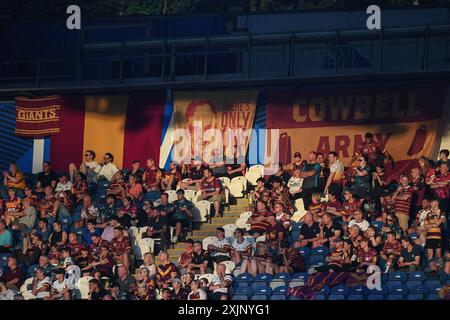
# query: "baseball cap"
{"points": [[297, 154], [220, 229], [180, 191]]}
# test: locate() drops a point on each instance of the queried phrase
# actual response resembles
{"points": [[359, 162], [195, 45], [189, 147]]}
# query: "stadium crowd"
{"points": [[319, 219]]}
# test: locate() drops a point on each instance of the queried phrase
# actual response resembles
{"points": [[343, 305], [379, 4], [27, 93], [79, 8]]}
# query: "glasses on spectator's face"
{"points": [[389, 220], [360, 160], [86, 154]]}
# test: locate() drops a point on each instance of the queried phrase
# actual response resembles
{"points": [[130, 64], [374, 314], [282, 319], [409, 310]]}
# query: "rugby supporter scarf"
{"points": [[37, 118]]}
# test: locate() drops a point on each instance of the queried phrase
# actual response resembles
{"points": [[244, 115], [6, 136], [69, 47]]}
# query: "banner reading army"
{"points": [[37, 118], [403, 117], [213, 126]]}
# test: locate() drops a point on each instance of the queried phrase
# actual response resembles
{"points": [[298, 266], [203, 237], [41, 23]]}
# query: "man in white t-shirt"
{"points": [[60, 289], [41, 284], [336, 176], [219, 250], [87, 167], [106, 169], [221, 282], [359, 221], [63, 184]]}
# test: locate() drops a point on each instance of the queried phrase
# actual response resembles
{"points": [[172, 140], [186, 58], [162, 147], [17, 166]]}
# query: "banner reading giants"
{"points": [[37, 118], [404, 117]]}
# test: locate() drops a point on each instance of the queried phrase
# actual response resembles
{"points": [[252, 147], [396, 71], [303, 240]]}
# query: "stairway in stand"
{"points": [[209, 229]]}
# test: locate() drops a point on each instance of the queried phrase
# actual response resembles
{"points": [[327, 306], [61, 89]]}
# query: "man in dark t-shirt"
{"points": [[46, 178], [95, 291], [309, 232], [310, 174]]}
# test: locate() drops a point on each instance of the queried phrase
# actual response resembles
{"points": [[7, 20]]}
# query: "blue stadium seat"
{"points": [[244, 277], [411, 284], [244, 291], [340, 289], [432, 284], [395, 296], [375, 296], [320, 296], [259, 297], [433, 296], [355, 296], [305, 252], [416, 276], [278, 297], [263, 290], [294, 298], [239, 297], [321, 250], [274, 284], [262, 279], [359, 290], [434, 288], [280, 290], [420, 289], [415, 296], [402, 290], [300, 276], [393, 283], [336, 297], [316, 261], [282, 276], [397, 275]]}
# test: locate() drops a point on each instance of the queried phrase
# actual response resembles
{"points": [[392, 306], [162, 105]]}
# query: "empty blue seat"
{"points": [[244, 291], [375, 296], [395, 296], [416, 287], [263, 290], [304, 251], [415, 296], [320, 296], [278, 297], [340, 289], [432, 283], [434, 288], [355, 296], [320, 250], [433, 296], [336, 297], [413, 283], [397, 275], [359, 290], [416, 276], [282, 276], [393, 283], [295, 298], [403, 290], [261, 279], [244, 277], [239, 297], [259, 297], [280, 290], [316, 261], [300, 276]]}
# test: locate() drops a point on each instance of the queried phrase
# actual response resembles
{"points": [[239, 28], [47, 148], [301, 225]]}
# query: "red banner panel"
{"points": [[37, 118]]}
